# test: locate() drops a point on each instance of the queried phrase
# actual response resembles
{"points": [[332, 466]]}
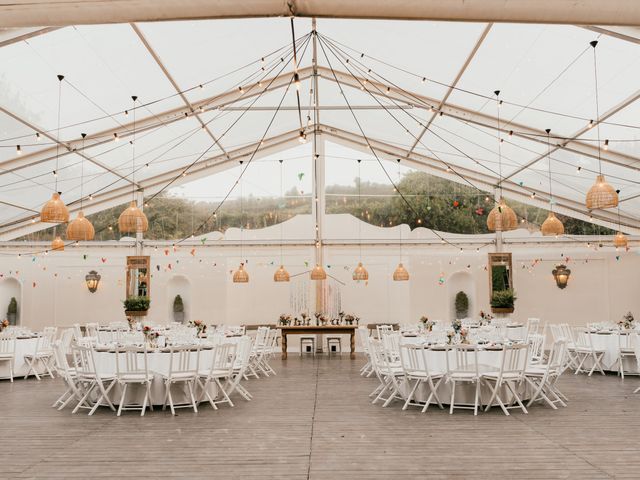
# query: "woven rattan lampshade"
{"points": [[552, 226], [360, 273], [281, 275], [620, 240], [241, 275], [54, 211], [318, 273], [57, 244], [80, 229], [502, 218], [601, 195], [400, 274], [133, 220]]}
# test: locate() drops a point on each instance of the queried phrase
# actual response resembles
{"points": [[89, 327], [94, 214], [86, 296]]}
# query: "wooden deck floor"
{"points": [[314, 420]]}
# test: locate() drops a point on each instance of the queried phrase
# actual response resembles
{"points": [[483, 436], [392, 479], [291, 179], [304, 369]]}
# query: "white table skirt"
{"points": [[158, 363], [24, 346], [488, 361], [609, 343]]}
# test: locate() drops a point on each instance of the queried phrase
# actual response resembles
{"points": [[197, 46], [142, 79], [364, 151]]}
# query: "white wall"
{"points": [[601, 287]]}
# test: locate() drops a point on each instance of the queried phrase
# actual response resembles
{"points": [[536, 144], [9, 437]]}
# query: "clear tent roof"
{"points": [[210, 91]]}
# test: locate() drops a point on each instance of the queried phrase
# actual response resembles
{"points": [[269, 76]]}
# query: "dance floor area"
{"points": [[314, 420]]}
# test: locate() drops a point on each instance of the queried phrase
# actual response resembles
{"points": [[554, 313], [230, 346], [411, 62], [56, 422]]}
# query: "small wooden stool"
{"points": [[308, 342], [334, 342]]}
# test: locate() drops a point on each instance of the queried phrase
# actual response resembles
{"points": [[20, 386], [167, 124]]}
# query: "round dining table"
{"points": [[25, 345]]}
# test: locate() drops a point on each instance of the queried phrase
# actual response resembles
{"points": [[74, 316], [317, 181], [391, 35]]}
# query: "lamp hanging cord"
{"points": [[594, 43], [548, 130], [60, 78], [83, 135], [497, 93], [133, 150]]}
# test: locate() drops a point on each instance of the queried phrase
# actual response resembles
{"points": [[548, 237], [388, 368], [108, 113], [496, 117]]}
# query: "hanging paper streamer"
{"points": [[441, 279], [299, 295]]}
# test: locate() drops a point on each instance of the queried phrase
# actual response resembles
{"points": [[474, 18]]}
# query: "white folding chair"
{"points": [[626, 349], [243, 353], [465, 370], [511, 375], [68, 375], [132, 367], [543, 377], [584, 350], [183, 368], [533, 325], [220, 370], [8, 352], [536, 348], [43, 354], [389, 373], [91, 380], [416, 369]]}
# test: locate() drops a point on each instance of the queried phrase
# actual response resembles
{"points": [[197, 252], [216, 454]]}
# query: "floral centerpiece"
{"points": [[323, 319], [4, 324], [317, 315], [450, 336], [485, 318], [627, 322], [464, 335], [199, 325], [285, 319], [150, 335], [349, 319], [428, 324], [456, 325], [305, 318]]}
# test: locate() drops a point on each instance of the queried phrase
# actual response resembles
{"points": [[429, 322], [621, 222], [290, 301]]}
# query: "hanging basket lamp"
{"points": [[240, 275], [318, 273], [133, 220], [601, 195], [281, 275], [360, 273], [502, 218], [54, 211], [552, 226], [620, 240], [80, 229], [57, 245], [400, 274]]}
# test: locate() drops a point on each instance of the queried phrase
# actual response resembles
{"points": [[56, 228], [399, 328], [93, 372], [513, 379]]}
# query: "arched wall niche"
{"points": [[461, 281], [179, 285], [10, 287]]}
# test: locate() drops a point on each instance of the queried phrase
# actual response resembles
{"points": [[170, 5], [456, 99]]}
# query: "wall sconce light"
{"points": [[92, 279], [561, 273]]}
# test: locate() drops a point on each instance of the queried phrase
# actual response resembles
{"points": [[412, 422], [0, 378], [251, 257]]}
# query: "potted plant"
{"points": [[462, 305], [136, 306], [12, 311], [178, 309], [502, 301]]}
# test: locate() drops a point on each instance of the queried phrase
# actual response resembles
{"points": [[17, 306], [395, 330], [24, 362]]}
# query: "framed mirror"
{"points": [[138, 276], [500, 282]]}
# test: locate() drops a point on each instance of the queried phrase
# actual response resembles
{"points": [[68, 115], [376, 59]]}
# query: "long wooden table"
{"points": [[319, 329]]}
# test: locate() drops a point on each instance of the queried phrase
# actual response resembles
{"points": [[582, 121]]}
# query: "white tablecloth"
{"points": [[608, 341], [24, 346], [158, 363]]}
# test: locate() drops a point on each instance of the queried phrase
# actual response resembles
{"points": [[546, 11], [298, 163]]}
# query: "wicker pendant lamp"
{"points": [[360, 273], [281, 274], [57, 245], [501, 218], [620, 240], [318, 273], [133, 219], [400, 274], [601, 194], [240, 275], [552, 225], [81, 228], [55, 211]]}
